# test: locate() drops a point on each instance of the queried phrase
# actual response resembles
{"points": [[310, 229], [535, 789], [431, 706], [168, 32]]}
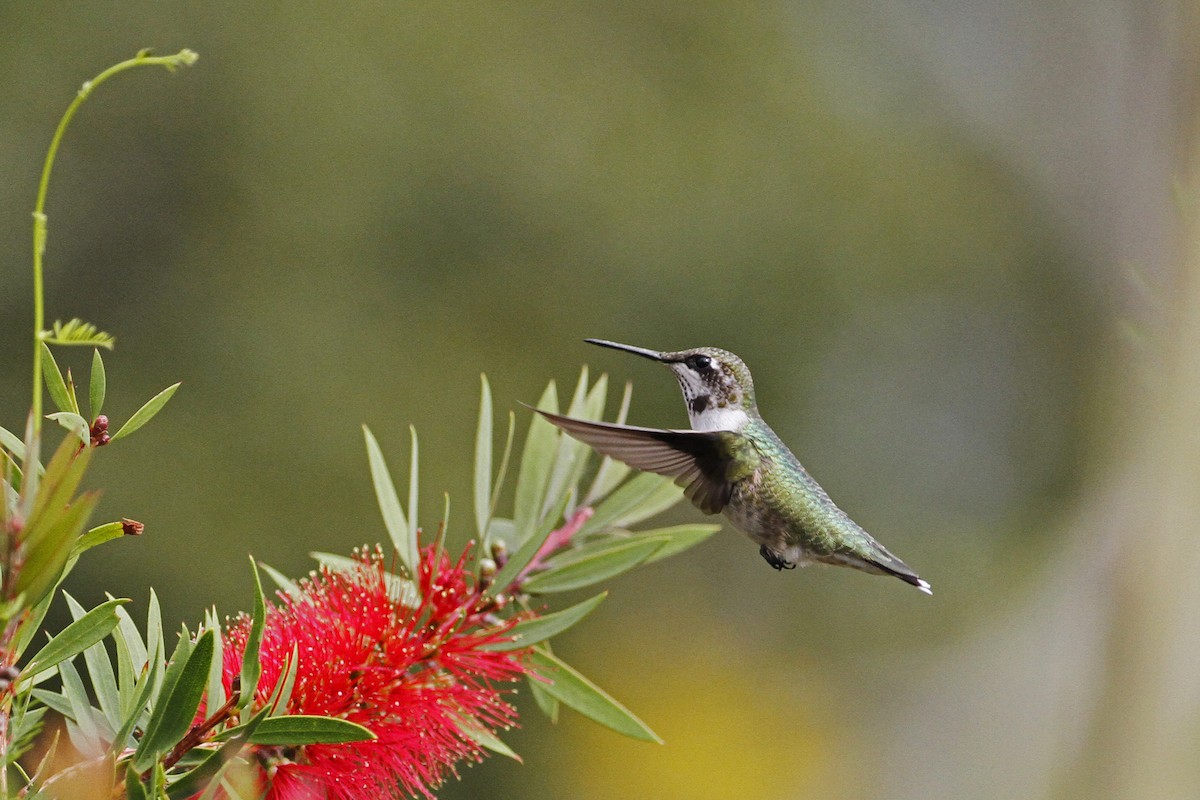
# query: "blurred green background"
{"points": [[942, 236]]}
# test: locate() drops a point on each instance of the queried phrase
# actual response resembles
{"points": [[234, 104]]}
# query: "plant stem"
{"points": [[182, 58]]}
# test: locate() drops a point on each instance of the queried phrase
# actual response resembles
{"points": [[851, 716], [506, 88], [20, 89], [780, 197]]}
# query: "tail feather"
{"points": [[897, 568]]}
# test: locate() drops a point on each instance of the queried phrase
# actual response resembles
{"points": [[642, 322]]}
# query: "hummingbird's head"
{"points": [[716, 385]]}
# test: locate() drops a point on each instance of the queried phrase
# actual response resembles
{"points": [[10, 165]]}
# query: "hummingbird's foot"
{"points": [[774, 559]]}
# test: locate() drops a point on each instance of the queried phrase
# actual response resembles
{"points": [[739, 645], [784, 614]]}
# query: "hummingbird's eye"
{"points": [[701, 363]]}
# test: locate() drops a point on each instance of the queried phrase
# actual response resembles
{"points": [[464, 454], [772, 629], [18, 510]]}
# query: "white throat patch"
{"points": [[719, 419]]}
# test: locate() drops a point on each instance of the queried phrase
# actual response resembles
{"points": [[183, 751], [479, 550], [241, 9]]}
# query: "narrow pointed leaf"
{"points": [[593, 568], [126, 675], [144, 689], [55, 384], [49, 549], [97, 385], [579, 693], [84, 734], [176, 705], [412, 493], [134, 788], [214, 692], [485, 738], [502, 472], [642, 496], [31, 479], [570, 451], [132, 638], [483, 458], [300, 729], [12, 443], [546, 703], [679, 538], [100, 671], [389, 505], [77, 425], [251, 668], [285, 584], [156, 645], [62, 477], [281, 695], [75, 638], [536, 461], [96, 536], [538, 629], [146, 412]]}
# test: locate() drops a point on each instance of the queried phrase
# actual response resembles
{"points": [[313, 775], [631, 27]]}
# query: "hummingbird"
{"points": [[732, 463]]}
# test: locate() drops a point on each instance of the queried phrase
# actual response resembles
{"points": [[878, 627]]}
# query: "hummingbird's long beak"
{"points": [[653, 355]]}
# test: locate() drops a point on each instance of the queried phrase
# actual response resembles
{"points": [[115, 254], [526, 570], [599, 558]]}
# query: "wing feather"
{"points": [[699, 461]]}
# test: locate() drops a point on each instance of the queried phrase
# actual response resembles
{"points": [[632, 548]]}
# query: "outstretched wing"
{"points": [[704, 463]]}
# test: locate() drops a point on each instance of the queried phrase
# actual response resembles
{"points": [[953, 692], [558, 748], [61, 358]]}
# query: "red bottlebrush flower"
{"points": [[407, 674]]}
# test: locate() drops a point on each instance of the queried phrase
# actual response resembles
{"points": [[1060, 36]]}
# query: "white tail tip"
{"points": [[924, 587]]}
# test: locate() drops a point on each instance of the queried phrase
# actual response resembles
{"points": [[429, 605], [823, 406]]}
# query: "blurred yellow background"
{"points": [[944, 238]]}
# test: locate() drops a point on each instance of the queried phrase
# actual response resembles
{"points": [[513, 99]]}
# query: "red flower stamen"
{"points": [[410, 675]]}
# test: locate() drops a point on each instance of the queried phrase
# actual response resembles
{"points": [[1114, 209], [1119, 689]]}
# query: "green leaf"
{"points": [[126, 675], [53, 701], [96, 536], [521, 559], [301, 729], [587, 698], [146, 412], [12, 443], [532, 631], [412, 492], [85, 735], [483, 459], [481, 736], [55, 385], [146, 670], [547, 704], [642, 496], [281, 695], [592, 568], [77, 333], [134, 788], [100, 671], [501, 474], [536, 461], [176, 705], [389, 505], [63, 476], [570, 453], [155, 643], [133, 716], [285, 584], [678, 538], [77, 425], [54, 521], [214, 692], [251, 668], [133, 640], [97, 385]]}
